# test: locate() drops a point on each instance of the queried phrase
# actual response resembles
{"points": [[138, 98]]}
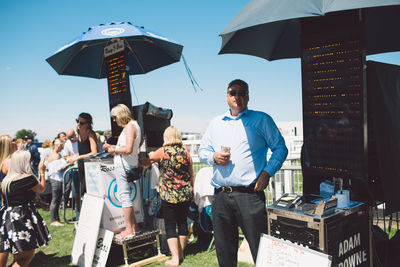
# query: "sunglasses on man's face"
{"points": [[80, 122], [113, 117], [241, 93]]}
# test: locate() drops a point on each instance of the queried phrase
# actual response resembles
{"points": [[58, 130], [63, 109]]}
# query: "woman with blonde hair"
{"points": [[56, 166], [126, 156], [20, 144], [44, 199], [176, 190], [7, 147], [22, 229], [46, 151]]}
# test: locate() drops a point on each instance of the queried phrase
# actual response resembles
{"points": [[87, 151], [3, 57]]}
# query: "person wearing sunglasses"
{"points": [[87, 146], [126, 156], [236, 144]]}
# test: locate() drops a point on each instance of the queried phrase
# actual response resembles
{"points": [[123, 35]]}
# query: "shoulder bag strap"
{"points": [[123, 166]]}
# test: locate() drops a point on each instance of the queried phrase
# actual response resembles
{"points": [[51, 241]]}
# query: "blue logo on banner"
{"points": [[113, 196]]}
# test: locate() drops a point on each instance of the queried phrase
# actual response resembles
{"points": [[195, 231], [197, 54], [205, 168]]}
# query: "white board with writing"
{"points": [[283, 253], [88, 229], [103, 246]]}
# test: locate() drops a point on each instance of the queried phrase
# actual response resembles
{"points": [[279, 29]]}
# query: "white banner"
{"points": [[101, 181]]}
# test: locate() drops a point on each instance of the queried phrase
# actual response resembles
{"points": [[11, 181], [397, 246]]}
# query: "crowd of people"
{"points": [[235, 144], [24, 175], [22, 229]]}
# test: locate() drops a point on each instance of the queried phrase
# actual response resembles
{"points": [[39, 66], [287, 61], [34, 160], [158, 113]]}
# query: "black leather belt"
{"points": [[230, 189]]}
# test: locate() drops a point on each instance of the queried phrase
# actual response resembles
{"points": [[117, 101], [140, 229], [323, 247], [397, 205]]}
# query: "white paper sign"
{"points": [[87, 232], [103, 246], [94, 185], [283, 253]]}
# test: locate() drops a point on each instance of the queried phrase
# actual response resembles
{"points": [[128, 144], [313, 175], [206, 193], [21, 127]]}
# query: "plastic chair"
{"points": [[203, 196], [203, 190]]}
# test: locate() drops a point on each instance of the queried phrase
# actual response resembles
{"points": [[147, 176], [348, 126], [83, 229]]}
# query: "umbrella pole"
{"points": [[118, 85]]}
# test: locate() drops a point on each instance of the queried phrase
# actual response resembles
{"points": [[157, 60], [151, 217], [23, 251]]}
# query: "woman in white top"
{"points": [[126, 155], [56, 167]]}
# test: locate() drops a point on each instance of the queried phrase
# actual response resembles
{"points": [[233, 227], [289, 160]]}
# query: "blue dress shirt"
{"points": [[249, 136]]}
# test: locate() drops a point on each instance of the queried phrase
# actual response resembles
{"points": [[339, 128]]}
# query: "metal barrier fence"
{"points": [[287, 180]]}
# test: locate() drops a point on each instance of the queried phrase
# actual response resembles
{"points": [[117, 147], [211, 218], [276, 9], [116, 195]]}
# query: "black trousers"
{"points": [[233, 209], [175, 217]]}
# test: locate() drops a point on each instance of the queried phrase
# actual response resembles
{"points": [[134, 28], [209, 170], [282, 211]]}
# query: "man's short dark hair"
{"points": [[26, 137], [240, 83], [60, 133]]}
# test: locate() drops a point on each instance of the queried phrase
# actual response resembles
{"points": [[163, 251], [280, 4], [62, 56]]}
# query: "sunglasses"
{"points": [[113, 117], [240, 93], [80, 122]]}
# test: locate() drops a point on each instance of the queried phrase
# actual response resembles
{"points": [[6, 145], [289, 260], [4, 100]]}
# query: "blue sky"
{"points": [[35, 97]]}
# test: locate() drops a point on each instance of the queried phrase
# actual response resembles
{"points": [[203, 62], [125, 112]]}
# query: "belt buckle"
{"points": [[227, 189]]}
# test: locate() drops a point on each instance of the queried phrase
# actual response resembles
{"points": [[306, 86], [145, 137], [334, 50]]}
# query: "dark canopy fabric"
{"points": [[153, 121], [270, 29], [383, 81]]}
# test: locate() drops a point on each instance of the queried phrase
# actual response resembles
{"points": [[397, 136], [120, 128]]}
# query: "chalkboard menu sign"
{"points": [[334, 96], [118, 84]]}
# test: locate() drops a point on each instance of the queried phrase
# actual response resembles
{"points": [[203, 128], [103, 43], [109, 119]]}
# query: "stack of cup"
{"points": [[343, 197]]}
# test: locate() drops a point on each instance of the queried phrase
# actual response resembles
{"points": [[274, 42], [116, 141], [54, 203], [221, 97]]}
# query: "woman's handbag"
{"points": [[132, 173]]}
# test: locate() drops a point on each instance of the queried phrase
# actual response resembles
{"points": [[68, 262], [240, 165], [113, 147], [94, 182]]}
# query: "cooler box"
{"points": [[343, 234]]}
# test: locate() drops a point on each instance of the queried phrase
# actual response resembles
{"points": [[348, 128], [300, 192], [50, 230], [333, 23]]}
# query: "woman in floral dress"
{"points": [[22, 229], [175, 189]]}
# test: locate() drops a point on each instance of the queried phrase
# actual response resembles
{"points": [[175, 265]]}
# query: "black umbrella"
{"points": [[271, 28]]}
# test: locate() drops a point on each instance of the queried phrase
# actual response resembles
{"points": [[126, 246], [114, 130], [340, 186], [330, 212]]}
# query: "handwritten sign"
{"points": [[283, 253]]}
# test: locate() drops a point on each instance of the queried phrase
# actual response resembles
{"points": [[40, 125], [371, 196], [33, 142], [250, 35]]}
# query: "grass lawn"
{"points": [[58, 252]]}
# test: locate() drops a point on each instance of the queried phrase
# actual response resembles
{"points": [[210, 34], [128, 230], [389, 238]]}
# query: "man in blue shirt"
{"points": [[35, 155], [236, 144]]}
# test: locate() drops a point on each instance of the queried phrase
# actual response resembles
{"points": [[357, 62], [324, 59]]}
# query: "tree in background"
{"points": [[25, 132]]}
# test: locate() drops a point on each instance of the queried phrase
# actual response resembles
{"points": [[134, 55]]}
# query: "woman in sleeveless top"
{"points": [[56, 167], [126, 155], [176, 190], [7, 147], [87, 146], [22, 229]]}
